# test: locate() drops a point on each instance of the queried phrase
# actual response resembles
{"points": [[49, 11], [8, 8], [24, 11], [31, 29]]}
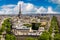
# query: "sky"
{"points": [[29, 6], [9, 7]]}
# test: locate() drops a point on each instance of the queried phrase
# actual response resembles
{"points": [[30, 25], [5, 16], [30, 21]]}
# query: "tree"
{"points": [[2, 30], [10, 37], [50, 30], [57, 37], [7, 25], [54, 25], [45, 36]]}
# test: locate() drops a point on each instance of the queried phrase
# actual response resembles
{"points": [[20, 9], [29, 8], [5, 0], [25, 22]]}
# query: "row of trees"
{"points": [[54, 25], [54, 28], [57, 34], [7, 26]]}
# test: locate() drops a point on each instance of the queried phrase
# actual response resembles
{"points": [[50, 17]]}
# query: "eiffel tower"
{"points": [[19, 15]]}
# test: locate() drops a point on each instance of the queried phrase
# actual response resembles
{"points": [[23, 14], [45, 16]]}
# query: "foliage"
{"points": [[7, 25], [2, 29], [45, 36], [10, 37], [54, 25], [30, 38], [50, 30], [28, 25], [57, 37]]}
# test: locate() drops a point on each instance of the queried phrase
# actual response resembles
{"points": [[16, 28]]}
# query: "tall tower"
{"points": [[19, 15]]}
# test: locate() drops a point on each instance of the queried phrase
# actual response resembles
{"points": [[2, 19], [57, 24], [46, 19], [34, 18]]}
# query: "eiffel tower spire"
{"points": [[19, 15]]}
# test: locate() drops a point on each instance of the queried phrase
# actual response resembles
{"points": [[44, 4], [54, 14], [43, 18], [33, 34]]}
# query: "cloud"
{"points": [[30, 8], [41, 10], [50, 10], [25, 9], [55, 1], [8, 6], [57, 8], [9, 9]]}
